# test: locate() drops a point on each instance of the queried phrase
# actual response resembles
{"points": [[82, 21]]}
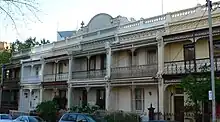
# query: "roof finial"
{"points": [[82, 24]]}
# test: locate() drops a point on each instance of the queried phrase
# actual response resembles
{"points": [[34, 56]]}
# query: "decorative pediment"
{"points": [[100, 21]]}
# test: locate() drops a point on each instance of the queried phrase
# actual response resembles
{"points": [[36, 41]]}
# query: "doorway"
{"points": [[179, 108], [84, 98]]}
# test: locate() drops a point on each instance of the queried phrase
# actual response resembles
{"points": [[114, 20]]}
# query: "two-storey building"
{"points": [[10, 82], [120, 64]]}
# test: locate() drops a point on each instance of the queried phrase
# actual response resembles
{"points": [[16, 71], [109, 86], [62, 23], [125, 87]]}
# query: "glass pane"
{"points": [[80, 118], [138, 104], [69, 117], [138, 93], [189, 52]]}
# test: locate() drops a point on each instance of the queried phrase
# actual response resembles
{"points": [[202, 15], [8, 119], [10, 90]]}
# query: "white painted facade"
{"points": [[123, 58]]}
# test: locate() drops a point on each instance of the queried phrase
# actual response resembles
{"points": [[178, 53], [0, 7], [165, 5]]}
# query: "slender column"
{"points": [[69, 99], [20, 99], [133, 98], [109, 58], [41, 94], [42, 71], [160, 73], [107, 96], [70, 67], [22, 73], [32, 70], [30, 99]]}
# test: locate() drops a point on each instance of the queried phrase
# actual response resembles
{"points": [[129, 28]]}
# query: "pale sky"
{"points": [[68, 14]]}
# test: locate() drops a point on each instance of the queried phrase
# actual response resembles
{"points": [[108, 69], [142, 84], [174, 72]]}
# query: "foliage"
{"points": [[197, 87], [47, 110], [122, 117], [5, 57], [86, 109], [30, 42]]}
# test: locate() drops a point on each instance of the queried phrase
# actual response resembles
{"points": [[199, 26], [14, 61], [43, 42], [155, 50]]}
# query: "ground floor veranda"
{"points": [[130, 98]]}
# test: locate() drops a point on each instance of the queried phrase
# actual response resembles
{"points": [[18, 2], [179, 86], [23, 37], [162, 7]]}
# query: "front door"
{"points": [[179, 108], [84, 98], [100, 98]]}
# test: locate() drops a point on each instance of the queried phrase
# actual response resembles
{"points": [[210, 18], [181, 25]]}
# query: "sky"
{"points": [[61, 15]]}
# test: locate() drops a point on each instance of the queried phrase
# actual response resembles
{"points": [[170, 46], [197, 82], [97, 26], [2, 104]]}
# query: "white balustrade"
{"points": [[31, 79], [147, 23], [59, 77]]}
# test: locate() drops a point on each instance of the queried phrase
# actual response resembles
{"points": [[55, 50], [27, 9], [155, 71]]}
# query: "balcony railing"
{"points": [[31, 79], [134, 71], [59, 77], [11, 80], [89, 74], [184, 67]]}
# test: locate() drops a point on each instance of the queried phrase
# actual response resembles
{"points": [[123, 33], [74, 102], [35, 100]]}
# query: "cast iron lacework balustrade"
{"points": [[31, 79], [183, 67], [59, 77], [98, 73], [148, 70]]}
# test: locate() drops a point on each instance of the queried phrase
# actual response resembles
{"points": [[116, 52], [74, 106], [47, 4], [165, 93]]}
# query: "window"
{"points": [[60, 68], [152, 56], [39, 119], [139, 99], [32, 119], [189, 52], [80, 118], [103, 61], [4, 116], [92, 63], [37, 71], [216, 48], [69, 117]]}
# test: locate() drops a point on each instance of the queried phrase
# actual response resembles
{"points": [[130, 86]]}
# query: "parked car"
{"points": [[76, 117], [5, 118], [28, 119]]}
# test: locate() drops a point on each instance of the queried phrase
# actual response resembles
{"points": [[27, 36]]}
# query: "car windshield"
{"points": [[69, 117], [32, 119], [39, 119], [5, 117], [90, 118]]}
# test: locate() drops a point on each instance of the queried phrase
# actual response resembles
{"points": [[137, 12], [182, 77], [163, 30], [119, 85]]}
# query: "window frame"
{"points": [[139, 99]]}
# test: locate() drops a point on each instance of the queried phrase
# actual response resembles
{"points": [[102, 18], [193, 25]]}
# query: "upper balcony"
{"points": [[31, 74], [186, 57], [194, 66], [56, 71], [91, 67], [92, 74], [148, 70], [11, 77], [56, 77], [140, 63]]}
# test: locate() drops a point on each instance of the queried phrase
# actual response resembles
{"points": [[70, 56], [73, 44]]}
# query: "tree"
{"points": [[27, 44], [197, 87], [47, 110], [5, 57], [16, 10]]}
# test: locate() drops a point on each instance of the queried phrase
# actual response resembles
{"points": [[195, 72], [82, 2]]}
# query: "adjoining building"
{"points": [[120, 64]]}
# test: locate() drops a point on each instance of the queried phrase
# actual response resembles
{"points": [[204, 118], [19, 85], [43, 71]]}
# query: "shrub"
{"points": [[84, 109], [47, 110], [121, 116]]}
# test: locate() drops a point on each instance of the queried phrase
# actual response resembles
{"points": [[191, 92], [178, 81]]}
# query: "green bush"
{"points": [[122, 117], [84, 109], [48, 111]]}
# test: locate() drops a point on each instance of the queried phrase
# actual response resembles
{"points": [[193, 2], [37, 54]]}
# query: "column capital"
{"points": [[87, 88], [88, 56]]}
